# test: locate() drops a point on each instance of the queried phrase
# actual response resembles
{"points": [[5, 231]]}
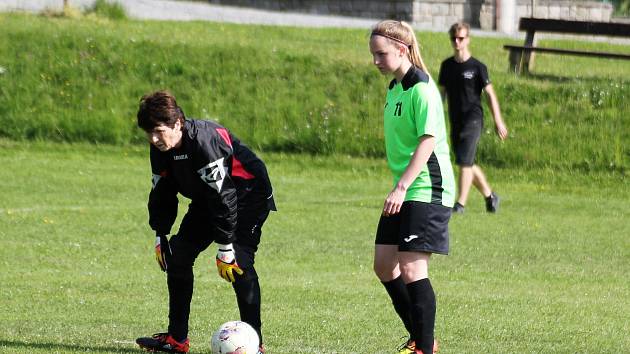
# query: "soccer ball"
{"points": [[235, 337]]}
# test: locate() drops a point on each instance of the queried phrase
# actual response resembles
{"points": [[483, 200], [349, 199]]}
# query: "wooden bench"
{"points": [[522, 57]]}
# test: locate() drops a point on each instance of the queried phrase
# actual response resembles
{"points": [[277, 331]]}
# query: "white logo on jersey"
{"points": [[180, 157], [410, 237], [154, 180], [213, 174], [468, 74]]}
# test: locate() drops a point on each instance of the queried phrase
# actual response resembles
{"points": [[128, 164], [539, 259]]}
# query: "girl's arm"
{"points": [[420, 157]]}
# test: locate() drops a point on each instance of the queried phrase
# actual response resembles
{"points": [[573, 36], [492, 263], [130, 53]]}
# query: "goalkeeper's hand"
{"points": [[226, 262], [162, 250]]}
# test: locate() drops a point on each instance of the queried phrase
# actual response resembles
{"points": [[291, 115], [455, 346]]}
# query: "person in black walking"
{"points": [[462, 79]]}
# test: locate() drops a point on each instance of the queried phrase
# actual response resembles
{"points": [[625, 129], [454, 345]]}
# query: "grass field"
{"points": [[548, 274], [288, 89]]}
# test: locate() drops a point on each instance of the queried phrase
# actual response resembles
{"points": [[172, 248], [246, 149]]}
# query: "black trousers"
{"points": [[194, 236]]}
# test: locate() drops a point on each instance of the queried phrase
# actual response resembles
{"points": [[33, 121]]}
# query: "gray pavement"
{"points": [[201, 11], [191, 11]]}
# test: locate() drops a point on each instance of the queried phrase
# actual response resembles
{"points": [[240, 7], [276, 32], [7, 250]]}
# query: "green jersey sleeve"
{"points": [[426, 110]]}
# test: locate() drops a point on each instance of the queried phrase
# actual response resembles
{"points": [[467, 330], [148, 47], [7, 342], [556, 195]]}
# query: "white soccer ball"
{"points": [[235, 337]]}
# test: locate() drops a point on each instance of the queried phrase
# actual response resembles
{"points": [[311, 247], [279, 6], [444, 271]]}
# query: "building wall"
{"points": [[436, 14], [567, 9]]}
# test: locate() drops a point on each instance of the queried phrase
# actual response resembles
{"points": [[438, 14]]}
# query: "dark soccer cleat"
{"points": [[163, 342], [458, 208], [492, 203]]}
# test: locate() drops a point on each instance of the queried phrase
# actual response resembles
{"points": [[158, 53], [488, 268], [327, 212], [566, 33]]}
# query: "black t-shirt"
{"points": [[464, 83]]}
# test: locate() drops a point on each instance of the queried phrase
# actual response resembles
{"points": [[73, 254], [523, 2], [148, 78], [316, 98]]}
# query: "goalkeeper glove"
{"points": [[162, 250], [226, 262]]}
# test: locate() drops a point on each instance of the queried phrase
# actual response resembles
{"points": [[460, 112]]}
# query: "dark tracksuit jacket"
{"points": [[215, 171]]}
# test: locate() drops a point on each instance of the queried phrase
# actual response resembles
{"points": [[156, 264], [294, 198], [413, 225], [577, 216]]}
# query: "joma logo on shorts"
{"points": [[410, 237]]}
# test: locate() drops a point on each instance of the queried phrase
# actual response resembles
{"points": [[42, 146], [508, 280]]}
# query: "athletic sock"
{"points": [[423, 309], [397, 291]]}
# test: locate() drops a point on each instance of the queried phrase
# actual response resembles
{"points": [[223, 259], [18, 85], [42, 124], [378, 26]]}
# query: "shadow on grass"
{"points": [[69, 347]]}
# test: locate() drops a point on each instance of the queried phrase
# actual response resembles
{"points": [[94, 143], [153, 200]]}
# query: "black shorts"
{"points": [[418, 227], [464, 138], [194, 235]]}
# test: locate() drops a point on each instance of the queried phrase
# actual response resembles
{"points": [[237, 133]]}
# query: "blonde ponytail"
{"points": [[414, 48], [401, 33]]}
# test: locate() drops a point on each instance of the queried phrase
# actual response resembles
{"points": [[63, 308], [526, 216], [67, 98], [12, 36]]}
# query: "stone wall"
{"points": [[436, 14], [566, 10], [555, 9], [440, 14]]}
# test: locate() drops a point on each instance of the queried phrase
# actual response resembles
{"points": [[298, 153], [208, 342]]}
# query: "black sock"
{"points": [[397, 291], [423, 309]]}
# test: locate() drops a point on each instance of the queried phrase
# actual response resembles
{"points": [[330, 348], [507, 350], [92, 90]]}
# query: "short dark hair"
{"points": [[158, 108], [458, 26]]}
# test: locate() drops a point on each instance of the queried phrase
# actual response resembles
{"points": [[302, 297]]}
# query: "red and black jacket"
{"points": [[213, 169]]}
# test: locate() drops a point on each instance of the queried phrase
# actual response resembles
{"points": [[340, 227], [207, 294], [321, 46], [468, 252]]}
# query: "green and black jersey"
{"points": [[414, 108]]}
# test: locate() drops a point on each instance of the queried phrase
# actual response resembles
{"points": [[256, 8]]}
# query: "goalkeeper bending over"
{"points": [[205, 163]]}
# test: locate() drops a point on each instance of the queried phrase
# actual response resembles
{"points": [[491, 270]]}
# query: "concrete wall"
{"points": [[436, 14]]}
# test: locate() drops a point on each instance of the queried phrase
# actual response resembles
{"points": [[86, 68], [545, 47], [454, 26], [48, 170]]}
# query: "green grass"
{"points": [[288, 89], [110, 10], [548, 274]]}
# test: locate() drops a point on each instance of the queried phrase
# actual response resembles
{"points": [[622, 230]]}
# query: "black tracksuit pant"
{"points": [[193, 238]]}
